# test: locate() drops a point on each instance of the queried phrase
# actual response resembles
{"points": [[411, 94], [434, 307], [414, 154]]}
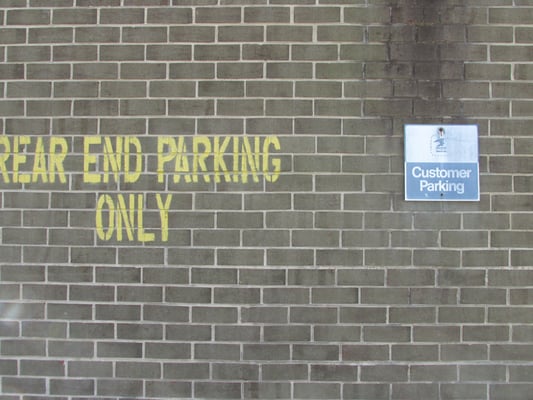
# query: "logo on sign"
{"points": [[439, 143]]}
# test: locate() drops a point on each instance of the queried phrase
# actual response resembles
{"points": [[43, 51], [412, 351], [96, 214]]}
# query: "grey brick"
{"points": [[119, 387], [240, 34], [270, 315], [122, 15], [192, 256], [28, 17], [259, 390], [414, 390], [313, 315], [117, 312], [88, 34], [282, 333], [391, 373], [75, 89], [482, 296], [186, 295], [74, 16], [480, 373], [24, 385], [415, 352], [412, 315], [144, 34], [386, 334], [13, 35], [16, 71], [95, 71], [29, 89], [360, 278], [82, 387], [285, 70], [280, 372], [315, 352], [375, 391], [44, 292], [427, 373], [508, 315], [144, 256], [71, 349], [236, 295], [464, 352], [214, 314], [217, 390], [285, 295], [10, 292], [228, 333], [71, 311], [44, 329], [96, 369], [12, 253], [165, 52], [138, 370], [186, 370], [23, 347], [160, 350], [334, 296], [164, 15], [216, 15], [143, 71], [317, 390], [42, 368], [461, 278], [79, 330], [140, 332], [235, 372], [168, 389], [509, 391], [436, 333], [70, 274], [119, 349], [266, 351], [24, 273], [80, 53], [202, 34], [360, 315], [440, 258]]}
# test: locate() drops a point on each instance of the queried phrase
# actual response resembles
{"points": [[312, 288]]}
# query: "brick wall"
{"points": [[287, 267]]}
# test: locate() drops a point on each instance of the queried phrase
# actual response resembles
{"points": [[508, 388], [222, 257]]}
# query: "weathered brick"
{"points": [[28, 17], [266, 351], [261, 284], [221, 390]]}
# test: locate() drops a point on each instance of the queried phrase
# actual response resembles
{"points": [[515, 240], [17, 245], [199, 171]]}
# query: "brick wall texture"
{"points": [[205, 199]]}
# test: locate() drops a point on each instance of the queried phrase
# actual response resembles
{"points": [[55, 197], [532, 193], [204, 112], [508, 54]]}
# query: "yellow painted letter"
{"points": [[163, 215], [57, 158], [271, 176], [100, 230], [200, 157], [162, 157], [129, 176], [88, 159], [4, 141]]}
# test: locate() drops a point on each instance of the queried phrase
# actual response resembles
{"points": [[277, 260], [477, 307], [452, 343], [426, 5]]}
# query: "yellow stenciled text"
{"points": [[122, 157], [226, 158], [121, 216], [48, 159]]}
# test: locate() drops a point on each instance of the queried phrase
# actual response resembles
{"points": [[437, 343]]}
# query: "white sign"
{"points": [[441, 163]]}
